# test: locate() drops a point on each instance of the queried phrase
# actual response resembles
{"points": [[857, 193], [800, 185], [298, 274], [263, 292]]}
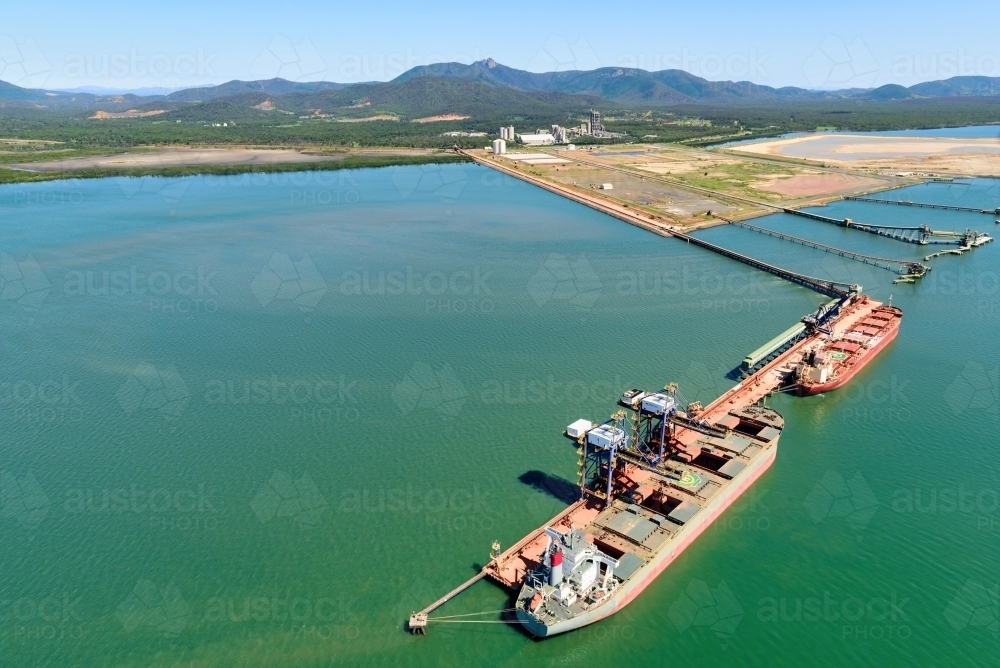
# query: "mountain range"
{"points": [[636, 86], [461, 88]]}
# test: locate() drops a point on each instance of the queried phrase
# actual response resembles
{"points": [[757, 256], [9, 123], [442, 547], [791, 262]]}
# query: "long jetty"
{"points": [[829, 288], [926, 205], [649, 222], [899, 266], [922, 235]]}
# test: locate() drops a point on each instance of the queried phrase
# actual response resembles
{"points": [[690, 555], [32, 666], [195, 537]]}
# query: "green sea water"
{"points": [[258, 421]]}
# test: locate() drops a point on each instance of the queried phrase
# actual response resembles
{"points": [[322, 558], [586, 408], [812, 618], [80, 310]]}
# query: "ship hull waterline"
{"points": [[805, 390], [648, 573]]}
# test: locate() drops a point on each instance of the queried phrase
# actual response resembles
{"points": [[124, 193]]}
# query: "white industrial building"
{"points": [[499, 147], [538, 139]]}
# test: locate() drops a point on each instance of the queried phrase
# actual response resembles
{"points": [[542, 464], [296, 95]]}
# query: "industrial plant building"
{"points": [[557, 134]]}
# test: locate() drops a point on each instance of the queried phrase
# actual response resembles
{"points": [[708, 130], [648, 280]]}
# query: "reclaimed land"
{"points": [[684, 187]]}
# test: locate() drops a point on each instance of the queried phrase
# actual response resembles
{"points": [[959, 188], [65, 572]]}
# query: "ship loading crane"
{"points": [[643, 436]]}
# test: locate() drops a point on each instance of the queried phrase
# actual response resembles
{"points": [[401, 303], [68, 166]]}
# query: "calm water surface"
{"points": [[258, 421]]}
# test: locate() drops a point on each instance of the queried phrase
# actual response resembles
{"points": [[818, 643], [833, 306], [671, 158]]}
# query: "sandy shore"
{"points": [[925, 155], [176, 157], [438, 119]]}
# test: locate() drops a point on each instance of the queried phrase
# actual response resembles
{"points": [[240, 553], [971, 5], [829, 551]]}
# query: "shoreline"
{"points": [[10, 176], [639, 216]]}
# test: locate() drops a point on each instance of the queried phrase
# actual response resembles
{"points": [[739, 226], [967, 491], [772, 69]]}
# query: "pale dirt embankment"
{"points": [[187, 157], [438, 119], [131, 113], [972, 156]]}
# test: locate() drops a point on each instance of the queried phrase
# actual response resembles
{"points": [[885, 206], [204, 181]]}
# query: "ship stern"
{"points": [[533, 625]]}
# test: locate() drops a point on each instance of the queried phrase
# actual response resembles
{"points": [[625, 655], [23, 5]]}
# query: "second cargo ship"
{"points": [[835, 362]]}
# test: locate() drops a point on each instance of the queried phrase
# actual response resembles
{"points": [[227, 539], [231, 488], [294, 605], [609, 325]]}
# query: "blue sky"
{"points": [[183, 43]]}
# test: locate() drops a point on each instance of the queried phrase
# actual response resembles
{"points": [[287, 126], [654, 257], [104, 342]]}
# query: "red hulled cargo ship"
{"points": [[836, 360]]}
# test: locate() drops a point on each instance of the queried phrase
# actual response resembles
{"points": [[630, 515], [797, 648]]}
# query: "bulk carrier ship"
{"points": [[664, 481], [661, 470], [835, 362]]}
